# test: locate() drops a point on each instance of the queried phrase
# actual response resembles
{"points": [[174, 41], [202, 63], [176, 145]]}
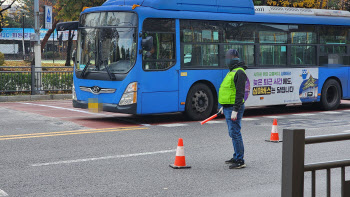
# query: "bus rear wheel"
{"points": [[199, 102], [330, 95]]}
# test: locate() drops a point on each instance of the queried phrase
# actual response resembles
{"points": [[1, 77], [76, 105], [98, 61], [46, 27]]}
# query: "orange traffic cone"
{"points": [[274, 132], [180, 161]]}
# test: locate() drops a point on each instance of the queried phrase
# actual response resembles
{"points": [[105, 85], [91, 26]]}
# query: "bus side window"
{"points": [[333, 49], [196, 55], [162, 54], [200, 43], [273, 49], [303, 49]]}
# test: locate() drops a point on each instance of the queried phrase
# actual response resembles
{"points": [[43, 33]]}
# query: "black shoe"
{"points": [[238, 165], [231, 161]]}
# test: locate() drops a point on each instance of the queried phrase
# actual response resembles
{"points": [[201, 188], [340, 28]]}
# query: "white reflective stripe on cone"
{"points": [[274, 129], [180, 151]]}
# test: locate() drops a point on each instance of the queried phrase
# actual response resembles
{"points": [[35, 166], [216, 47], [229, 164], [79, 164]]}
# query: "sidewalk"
{"points": [[34, 97]]}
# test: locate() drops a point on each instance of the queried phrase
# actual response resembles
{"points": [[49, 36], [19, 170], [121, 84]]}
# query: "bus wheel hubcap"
{"points": [[200, 101]]}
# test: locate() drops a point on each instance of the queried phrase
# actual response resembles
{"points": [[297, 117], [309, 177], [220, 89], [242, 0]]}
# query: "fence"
{"points": [[293, 166], [35, 80]]}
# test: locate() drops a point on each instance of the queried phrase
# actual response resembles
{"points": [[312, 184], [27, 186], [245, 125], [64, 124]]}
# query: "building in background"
{"points": [[11, 43]]}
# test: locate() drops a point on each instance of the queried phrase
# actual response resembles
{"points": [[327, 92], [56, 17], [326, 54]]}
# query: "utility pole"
{"points": [[37, 47], [24, 52], [53, 47]]}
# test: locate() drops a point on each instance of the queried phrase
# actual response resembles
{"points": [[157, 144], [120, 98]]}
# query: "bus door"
{"points": [[160, 70]]}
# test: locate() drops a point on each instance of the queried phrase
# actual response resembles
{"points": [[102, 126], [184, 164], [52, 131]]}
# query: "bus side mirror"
{"points": [[147, 43]]}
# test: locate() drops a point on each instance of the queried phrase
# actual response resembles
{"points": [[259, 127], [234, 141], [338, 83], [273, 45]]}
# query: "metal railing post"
{"points": [[345, 185], [293, 156], [32, 87]]}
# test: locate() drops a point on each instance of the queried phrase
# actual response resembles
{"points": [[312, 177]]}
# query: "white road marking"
{"points": [[346, 110], [304, 114], [250, 119], [347, 131], [102, 158], [2, 193], [330, 112], [63, 108], [277, 117], [173, 125], [216, 122], [85, 112]]}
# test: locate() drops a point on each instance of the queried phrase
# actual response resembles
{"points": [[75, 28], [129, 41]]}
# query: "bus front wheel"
{"points": [[199, 102], [330, 95]]}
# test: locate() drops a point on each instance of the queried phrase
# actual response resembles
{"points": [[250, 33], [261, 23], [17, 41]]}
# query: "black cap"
{"points": [[232, 53]]}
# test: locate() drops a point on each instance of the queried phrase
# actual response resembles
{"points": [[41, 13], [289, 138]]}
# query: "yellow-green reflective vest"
{"points": [[227, 91]]}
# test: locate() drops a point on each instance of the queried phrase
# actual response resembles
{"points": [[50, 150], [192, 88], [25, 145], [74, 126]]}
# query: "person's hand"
{"points": [[234, 115], [221, 110]]}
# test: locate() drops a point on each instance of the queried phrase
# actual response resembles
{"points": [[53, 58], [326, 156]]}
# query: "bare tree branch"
{"points": [[2, 10], [8, 6]]}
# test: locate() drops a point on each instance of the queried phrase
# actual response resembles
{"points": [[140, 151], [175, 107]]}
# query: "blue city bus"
{"points": [[154, 56]]}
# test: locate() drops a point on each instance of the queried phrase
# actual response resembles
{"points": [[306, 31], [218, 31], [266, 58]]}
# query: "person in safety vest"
{"points": [[231, 97]]}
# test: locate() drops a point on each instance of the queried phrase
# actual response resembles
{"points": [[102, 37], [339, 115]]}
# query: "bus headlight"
{"points": [[74, 94], [130, 95]]}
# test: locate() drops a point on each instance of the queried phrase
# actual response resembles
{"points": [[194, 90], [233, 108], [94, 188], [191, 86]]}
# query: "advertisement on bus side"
{"points": [[281, 86]]}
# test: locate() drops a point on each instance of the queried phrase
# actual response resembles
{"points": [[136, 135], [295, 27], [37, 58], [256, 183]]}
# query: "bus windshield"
{"points": [[107, 42]]}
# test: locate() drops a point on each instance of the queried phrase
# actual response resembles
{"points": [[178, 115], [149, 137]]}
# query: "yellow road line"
{"points": [[29, 134], [71, 133]]}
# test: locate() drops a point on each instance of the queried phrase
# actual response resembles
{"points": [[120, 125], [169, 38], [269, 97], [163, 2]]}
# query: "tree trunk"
{"points": [[69, 48], [321, 3], [48, 34]]}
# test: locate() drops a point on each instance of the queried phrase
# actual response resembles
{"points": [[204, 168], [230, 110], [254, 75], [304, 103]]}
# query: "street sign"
{"points": [[48, 17]]}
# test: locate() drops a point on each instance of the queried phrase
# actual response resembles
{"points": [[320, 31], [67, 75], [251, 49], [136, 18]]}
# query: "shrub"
{"points": [[15, 81], [2, 59], [54, 81], [11, 82]]}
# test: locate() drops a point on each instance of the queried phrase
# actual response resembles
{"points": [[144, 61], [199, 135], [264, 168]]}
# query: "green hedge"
{"points": [[54, 81], [2, 59], [23, 81], [15, 81]]}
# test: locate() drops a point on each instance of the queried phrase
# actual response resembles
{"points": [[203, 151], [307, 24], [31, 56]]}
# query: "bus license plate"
{"points": [[94, 105]]}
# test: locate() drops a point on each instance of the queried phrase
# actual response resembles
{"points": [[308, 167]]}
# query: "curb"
{"points": [[345, 101], [35, 97]]}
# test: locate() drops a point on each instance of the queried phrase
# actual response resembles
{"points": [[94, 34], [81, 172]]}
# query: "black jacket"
{"points": [[240, 80]]}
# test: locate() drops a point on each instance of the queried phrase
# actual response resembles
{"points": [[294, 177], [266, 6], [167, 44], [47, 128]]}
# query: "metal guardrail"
{"points": [[293, 166], [35, 80], [327, 138]]}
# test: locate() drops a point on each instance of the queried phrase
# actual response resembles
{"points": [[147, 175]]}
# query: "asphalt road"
{"points": [[49, 149]]}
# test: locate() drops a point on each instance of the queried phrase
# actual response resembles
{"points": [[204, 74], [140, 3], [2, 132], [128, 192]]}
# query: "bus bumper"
{"points": [[128, 109]]}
